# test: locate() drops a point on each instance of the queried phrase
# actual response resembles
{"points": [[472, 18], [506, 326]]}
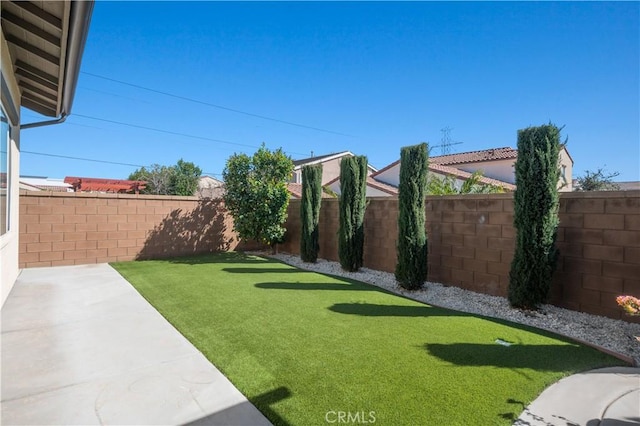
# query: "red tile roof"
{"points": [[494, 154], [452, 171], [84, 184], [295, 189]]}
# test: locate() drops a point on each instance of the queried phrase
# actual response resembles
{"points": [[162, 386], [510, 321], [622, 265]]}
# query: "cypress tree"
{"points": [[411, 269], [536, 202], [353, 200], [310, 211]]}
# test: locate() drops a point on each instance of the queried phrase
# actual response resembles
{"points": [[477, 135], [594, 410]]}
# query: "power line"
{"points": [[93, 160], [79, 158], [169, 132], [184, 98]]}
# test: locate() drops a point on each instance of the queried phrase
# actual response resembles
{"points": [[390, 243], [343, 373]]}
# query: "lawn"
{"points": [[303, 346]]}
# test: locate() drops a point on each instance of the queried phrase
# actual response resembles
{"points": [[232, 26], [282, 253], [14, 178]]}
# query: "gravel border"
{"points": [[613, 335]]}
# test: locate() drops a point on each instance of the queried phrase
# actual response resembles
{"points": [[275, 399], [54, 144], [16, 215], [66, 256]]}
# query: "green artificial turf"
{"points": [[304, 347]]}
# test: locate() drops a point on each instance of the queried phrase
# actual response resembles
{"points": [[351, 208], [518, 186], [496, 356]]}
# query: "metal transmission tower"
{"points": [[446, 142]]}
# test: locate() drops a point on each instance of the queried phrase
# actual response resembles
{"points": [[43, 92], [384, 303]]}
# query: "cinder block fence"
{"points": [[471, 237]]}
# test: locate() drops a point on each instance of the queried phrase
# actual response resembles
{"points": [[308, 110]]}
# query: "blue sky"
{"points": [[330, 76]]}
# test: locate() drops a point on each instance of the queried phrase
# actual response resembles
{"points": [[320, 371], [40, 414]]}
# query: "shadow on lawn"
{"points": [[221, 257], [373, 310], [315, 286], [237, 414], [262, 270], [557, 358]]}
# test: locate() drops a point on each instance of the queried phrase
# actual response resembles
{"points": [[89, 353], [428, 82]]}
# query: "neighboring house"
{"points": [[330, 166], [117, 186], [41, 46], [496, 165], [295, 190], [375, 188], [43, 183], [628, 186], [210, 187]]}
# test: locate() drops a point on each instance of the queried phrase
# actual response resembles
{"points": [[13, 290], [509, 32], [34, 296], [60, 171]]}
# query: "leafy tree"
{"points": [[180, 179], [597, 181], [447, 185], [184, 179], [411, 269], [256, 194], [352, 206], [158, 179], [310, 211], [536, 203]]}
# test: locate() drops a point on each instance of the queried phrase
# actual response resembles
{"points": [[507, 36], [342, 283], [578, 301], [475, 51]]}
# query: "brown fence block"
{"points": [[599, 252], [75, 254], [67, 262], [107, 244], [622, 270], [75, 236], [474, 265], [621, 238], [491, 205], [38, 228], [38, 247], [97, 235], [86, 245], [475, 241], [626, 205], [88, 209], [600, 283], [604, 221], [632, 287], [102, 227], [632, 255], [39, 209], [462, 277], [31, 238], [86, 227], [489, 255], [452, 216], [127, 226], [51, 255], [489, 230], [97, 218], [632, 222], [585, 205], [46, 238], [501, 218], [571, 220], [63, 246], [588, 236]]}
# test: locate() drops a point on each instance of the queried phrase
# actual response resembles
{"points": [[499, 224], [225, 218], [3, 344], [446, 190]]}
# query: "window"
{"points": [[5, 184]]}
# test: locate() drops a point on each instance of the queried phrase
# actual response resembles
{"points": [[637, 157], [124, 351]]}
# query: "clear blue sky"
{"points": [[364, 77]]}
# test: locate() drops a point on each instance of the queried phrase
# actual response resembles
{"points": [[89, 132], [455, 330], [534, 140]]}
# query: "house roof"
{"points": [[84, 184], [493, 154], [297, 164], [381, 186], [320, 158], [452, 171], [295, 189], [34, 183], [46, 40]]}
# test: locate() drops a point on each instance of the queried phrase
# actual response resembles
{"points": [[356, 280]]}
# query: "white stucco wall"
{"points": [[9, 241]]}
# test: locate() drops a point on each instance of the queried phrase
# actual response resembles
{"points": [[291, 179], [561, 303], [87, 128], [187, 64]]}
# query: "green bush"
{"points": [[411, 269], [536, 203], [310, 211], [353, 199]]}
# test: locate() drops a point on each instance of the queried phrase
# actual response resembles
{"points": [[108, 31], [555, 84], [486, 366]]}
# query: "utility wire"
{"points": [[169, 132], [44, 154], [184, 98]]}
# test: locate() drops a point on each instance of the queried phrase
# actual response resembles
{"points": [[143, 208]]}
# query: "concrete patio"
{"points": [[81, 346]]}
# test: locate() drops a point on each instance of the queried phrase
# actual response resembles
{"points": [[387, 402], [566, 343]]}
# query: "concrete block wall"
{"points": [[472, 240], [59, 228]]}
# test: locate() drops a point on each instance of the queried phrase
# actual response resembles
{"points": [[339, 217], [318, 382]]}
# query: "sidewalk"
{"points": [[603, 397], [81, 346]]}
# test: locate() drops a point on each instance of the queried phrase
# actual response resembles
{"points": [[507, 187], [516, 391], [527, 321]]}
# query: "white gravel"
{"points": [[615, 335]]}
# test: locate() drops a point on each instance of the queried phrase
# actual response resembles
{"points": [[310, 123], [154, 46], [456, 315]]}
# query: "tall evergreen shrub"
{"points": [[353, 199], [536, 203], [310, 211], [411, 269]]}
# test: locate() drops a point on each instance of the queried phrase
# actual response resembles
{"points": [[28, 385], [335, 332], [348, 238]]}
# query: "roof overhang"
{"points": [[46, 41]]}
